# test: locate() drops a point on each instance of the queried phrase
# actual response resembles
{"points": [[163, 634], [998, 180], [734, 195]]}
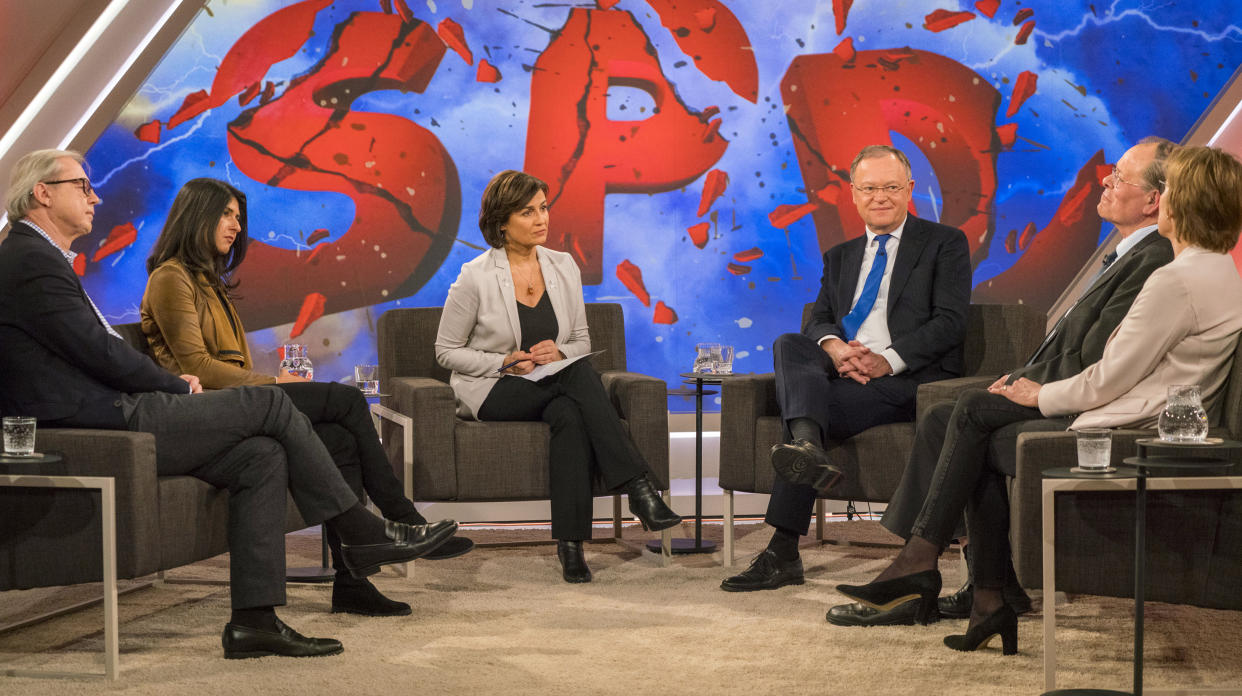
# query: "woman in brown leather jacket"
{"points": [[192, 328]]}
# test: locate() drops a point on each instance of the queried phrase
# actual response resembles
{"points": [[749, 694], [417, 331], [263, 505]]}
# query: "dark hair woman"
{"points": [[520, 305], [192, 328]]}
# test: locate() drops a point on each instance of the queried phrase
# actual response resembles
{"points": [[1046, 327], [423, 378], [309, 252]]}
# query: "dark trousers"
{"points": [[807, 386], [254, 443], [969, 447], [342, 421], [587, 437]]}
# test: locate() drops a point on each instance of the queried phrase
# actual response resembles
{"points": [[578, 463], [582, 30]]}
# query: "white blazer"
{"points": [[1182, 329], [480, 323]]}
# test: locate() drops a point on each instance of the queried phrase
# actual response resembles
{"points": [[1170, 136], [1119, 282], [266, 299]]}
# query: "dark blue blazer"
{"points": [[57, 362], [928, 296]]}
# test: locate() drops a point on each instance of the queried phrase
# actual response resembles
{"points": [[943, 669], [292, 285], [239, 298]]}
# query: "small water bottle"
{"points": [[1183, 418]]}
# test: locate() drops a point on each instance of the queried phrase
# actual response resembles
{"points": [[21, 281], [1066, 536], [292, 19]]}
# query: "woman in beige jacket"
{"points": [[1182, 328], [519, 306]]}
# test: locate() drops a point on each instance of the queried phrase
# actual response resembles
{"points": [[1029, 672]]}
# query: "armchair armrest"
{"points": [[744, 399], [642, 401], [432, 407], [934, 393]]}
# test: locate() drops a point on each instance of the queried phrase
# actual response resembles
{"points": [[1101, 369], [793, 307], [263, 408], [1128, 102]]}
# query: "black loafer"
{"points": [[957, 605], [408, 542], [242, 642], [454, 547], [855, 614], [805, 463], [766, 572]]}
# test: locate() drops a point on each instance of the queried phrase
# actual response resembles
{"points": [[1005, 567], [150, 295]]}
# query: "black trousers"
{"points": [[340, 417], [254, 443], [962, 453], [587, 438], [807, 386]]}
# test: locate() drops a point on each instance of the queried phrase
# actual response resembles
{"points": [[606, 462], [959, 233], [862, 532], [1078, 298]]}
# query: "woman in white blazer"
{"points": [[519, 306], [1182, 328]]}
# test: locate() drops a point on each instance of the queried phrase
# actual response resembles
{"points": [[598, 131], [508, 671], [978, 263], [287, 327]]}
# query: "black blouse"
{"points": [[538, 323]]}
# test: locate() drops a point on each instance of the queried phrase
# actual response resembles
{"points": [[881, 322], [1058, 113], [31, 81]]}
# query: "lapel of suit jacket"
{"points": [[913, 239], [504, 278], [1113, 268], [552, 286], [20, 227], [851, 267]]}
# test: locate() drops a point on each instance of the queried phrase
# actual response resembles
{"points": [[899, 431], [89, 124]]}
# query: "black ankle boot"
{"points": [[573, 564], [648, 506], [358, 596]]}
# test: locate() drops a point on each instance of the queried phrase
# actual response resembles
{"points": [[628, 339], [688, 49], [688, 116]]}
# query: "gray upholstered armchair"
{"points": [[465, 460], [998, 337]]}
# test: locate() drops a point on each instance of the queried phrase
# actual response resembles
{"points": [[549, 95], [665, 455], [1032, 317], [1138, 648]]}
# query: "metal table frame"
{"points": [[107, 496], [1140, 481]]}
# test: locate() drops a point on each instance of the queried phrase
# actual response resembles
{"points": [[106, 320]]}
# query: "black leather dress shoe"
{"points": [[957, 605], [766, 572], [855, 614], [649, 507], [407, 542], [241, 642], [806, 463], [454, 547], [358, 596], [573, 563]]}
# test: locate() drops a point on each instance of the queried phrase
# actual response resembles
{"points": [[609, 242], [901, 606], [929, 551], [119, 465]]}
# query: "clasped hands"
{"points": [[856, 361], [541, 353], [1022, 392]]}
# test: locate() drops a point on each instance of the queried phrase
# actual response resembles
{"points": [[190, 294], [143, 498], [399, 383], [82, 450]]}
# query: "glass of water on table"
{"points": [[19, 436], [1095, 447]]}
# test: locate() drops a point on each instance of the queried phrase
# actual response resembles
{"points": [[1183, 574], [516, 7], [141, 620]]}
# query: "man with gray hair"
{"points": [[891, 315], [249, 440]]}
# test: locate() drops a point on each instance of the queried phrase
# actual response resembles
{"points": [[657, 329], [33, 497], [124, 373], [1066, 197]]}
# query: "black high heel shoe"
{"points": [[1003, 621], [888, 594], [649, 507], [573, 564]]}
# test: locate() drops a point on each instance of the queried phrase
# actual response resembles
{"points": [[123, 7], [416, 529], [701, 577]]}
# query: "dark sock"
{"points": [[411, 518], [357, 526], [784, 544], [261, 618], [806, 429]]}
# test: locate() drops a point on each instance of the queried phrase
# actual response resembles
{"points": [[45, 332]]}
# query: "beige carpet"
{"points": [[500, 620]]}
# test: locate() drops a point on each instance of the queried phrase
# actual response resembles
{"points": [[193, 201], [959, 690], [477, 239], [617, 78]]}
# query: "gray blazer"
{"points": [[480, 326]]}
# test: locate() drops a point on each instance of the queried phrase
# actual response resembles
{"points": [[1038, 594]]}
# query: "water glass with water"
{"points": [[367, 378], [1183, 418], [19, 436], [1095, 447], [295, 361], [708, 356], [724, 364]]}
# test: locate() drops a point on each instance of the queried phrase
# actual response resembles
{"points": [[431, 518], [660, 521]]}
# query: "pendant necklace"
{"points": [[530, 287]]}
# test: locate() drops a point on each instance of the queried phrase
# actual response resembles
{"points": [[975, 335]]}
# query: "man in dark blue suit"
{"points": [[891, 315], [62, 363]]}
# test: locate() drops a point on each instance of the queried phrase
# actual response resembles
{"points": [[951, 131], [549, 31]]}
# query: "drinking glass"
{"points": [[1094, 449], [1183, 418], [724, 364], [708, 357], [367, 378], [19, 436]]}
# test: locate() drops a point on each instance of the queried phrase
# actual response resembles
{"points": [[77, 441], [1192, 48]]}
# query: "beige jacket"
{"points": [[1182, 329], [480, 324]]}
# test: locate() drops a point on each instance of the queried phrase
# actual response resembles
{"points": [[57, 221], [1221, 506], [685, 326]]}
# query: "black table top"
{"points": [[1066, 472]]}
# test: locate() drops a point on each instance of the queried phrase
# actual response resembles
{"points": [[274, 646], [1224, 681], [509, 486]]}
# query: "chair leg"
{"points": [[819, 519], [727, 551], [666, 536], [616, 516]]}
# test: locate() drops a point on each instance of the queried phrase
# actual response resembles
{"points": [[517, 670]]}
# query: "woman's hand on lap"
{"points": [[545, 352]]}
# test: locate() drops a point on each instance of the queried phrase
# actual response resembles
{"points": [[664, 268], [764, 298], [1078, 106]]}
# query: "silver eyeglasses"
{"points": [[869, 191]]}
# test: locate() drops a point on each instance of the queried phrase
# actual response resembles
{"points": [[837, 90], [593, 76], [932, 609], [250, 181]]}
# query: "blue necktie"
{"points": [[871, 289]]}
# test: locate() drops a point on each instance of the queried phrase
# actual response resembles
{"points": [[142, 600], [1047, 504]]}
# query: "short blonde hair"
{"points": [[1202, 197], [32, 168]]}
